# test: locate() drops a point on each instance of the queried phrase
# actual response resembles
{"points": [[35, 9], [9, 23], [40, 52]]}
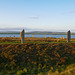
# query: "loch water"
{"points": [[40, 36]]}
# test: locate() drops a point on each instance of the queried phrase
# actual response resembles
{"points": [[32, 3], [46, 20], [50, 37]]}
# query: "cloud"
{"points": [[34, 17], [70, 12]]}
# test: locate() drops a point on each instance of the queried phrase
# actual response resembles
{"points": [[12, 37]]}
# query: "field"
{"points": [[38, 56], [13, 40]]}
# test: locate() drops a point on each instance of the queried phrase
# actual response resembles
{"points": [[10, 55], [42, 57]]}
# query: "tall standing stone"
{"points": [[63, 37], [45, 36], [68, 36], [22, 36], [32, 35]]}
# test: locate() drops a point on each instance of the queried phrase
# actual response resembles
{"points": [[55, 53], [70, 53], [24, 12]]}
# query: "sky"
{"points": [[49, 15]]}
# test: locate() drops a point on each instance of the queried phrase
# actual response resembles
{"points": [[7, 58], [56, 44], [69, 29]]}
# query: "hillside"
{"points": [[36, 32]]}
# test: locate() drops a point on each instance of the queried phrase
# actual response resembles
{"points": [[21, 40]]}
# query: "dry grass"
{"points": [[13, 39]]}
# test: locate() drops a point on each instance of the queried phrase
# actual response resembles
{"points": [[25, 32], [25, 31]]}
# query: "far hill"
{"points": [[48, 32], [37, 33], [31, 31]]}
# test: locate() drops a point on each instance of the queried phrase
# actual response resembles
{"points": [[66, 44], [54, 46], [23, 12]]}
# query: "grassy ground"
{"points": [[69, 70], [16, 40], [38, 56], [37, 59], [33, 42]]}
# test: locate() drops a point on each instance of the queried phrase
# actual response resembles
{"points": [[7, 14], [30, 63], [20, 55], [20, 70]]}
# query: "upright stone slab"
{"points": [[32, 35], [63, 37], [22, 36], [68, 36], [45, 36], [49, 36]]}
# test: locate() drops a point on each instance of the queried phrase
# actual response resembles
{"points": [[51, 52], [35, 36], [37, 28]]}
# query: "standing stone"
{"points": [[22, 36], [63, 37], [68, 36], [32, 35], [49, 36], [13, 36], [45, 36]]}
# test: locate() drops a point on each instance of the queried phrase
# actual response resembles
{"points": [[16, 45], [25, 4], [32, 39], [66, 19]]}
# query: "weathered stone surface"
{"points": [[63, 37], [45, 36], [32, 35], [22, 36], [68, 36]]}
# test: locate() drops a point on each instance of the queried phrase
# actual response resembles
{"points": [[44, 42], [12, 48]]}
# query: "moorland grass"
{"points": [[37, 59]]}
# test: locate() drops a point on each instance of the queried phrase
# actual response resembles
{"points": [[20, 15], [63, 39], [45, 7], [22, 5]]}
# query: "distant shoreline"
{"points": [[42, 33]]}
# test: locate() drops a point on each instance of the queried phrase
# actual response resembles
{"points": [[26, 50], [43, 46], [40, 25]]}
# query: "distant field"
{"points": [[13, 40]]}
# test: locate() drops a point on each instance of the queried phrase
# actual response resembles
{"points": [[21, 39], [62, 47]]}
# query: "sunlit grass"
{"points": [[37, 59], [69, 70], [18, 42]]}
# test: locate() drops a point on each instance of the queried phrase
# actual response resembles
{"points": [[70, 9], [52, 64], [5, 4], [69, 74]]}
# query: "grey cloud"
{"points": [[70, 12], [34, 17]]}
